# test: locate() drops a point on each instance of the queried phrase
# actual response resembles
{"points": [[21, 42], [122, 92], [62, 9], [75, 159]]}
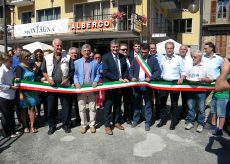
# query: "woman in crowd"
{"points": [[101, 94], [7, 95], [38, 56], [27, 99]]}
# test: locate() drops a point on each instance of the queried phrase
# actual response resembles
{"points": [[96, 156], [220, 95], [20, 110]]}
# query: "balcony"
{"points": [[168, 4], [214, 19], [20, 3]]}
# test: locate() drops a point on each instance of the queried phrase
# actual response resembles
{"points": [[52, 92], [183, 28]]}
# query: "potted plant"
{"points": [[144, 19], [117, 17]]}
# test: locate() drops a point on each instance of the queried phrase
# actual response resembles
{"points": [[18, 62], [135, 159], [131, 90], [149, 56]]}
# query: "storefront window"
{"points": [[222, 8], [92, 11], [48, 14]]}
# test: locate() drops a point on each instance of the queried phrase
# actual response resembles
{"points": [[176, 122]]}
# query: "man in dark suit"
{"points": [[114, 69], [138, 72], [126, 92], [136, 50]]}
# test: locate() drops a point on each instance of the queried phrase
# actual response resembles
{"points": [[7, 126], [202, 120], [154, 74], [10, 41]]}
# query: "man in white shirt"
{"points": [[187, 64], [200, 73], [172, 67]]}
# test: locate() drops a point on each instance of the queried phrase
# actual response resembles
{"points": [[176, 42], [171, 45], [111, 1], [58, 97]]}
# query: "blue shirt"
{"points": [[158, 56], [100, 69], [214, 64], [172, 68], [15, 63]]}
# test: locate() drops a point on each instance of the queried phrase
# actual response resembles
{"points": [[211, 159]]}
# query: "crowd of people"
{"points": [[141, 103]]}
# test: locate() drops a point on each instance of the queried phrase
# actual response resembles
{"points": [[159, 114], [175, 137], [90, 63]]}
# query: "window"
{"points": [[92, 11], [183, 25], [26, 17], [222, 8], [48, 14], [1, 12]]}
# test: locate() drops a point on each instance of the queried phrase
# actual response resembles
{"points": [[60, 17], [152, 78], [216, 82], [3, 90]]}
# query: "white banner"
{"points": [[42, 28]]}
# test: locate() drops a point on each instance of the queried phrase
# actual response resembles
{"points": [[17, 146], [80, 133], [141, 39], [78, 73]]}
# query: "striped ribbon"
{"points": [[160, 85], [144, 66]]}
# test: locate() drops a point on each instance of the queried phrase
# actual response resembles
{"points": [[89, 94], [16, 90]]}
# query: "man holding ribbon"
{"points": [[144, 68], [172, 67], [114, 69], [57, 68], [86, 73]]}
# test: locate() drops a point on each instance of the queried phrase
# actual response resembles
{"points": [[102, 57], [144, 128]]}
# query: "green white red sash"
{"points": [[143, 65], [160, 85]]}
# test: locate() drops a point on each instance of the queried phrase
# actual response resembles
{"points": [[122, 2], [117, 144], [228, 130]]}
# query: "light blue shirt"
{"points": [[158, 56], [214, 64], [172, 68]]}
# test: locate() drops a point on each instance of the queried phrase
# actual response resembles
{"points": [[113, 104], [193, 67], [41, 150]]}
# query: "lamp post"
{"points": [[11, 7], [5, 26], [193, 8]]}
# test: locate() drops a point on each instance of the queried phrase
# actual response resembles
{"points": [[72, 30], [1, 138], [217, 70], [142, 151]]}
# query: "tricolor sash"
{"points": [[143, 65]]}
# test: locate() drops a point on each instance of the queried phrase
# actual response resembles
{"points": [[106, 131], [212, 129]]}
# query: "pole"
{"points": [[5, 26], [201, 24]]}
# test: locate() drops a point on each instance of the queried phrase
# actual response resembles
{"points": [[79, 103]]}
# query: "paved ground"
{"points": [[131, 146]]}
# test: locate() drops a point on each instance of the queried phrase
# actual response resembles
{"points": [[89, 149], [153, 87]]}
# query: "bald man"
{"points": [[57, 68], [187, 64]]}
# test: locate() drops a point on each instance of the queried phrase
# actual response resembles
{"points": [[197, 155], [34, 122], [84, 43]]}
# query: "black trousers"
{"points": [[8, 121], [174, 96], [127, 98], [52, 100], [112, 99], [184, 110]]}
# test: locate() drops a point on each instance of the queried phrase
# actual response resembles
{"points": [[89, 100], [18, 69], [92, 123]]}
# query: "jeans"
{"points": [[140, 93], [219, 106], [198, 97]]}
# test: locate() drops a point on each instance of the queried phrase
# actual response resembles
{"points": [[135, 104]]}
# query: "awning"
{"points": [[74, 37]]}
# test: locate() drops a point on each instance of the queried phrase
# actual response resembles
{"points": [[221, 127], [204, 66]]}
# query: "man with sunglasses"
{"points": [[126, 92]]}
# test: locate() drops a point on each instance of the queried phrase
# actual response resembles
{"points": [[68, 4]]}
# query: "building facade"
{"points": [[216, 25], [98, 21]]}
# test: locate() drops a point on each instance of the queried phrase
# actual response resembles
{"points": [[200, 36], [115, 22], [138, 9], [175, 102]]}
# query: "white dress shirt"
{"points": [[6, 80], [172, 68], [119, 63], [142, 73]]}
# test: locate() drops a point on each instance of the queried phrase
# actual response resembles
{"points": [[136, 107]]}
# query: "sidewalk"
{"points": [[134, 146]]}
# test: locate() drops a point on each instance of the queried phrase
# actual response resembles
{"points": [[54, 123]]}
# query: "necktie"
{"points": [[116, 61]]}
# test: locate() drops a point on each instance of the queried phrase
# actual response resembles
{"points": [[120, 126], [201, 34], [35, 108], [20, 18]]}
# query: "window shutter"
{"points": [[213, 12]]}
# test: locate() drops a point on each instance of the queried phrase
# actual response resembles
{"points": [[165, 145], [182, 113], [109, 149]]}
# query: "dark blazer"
{"points": [[131, 56], [110, 72], [153, 64]]}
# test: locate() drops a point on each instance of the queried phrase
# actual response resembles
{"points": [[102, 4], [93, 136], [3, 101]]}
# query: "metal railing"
{"points": [[223, 19]]}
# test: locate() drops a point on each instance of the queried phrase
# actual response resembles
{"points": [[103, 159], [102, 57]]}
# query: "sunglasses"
{"points": [[123, 49]]}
